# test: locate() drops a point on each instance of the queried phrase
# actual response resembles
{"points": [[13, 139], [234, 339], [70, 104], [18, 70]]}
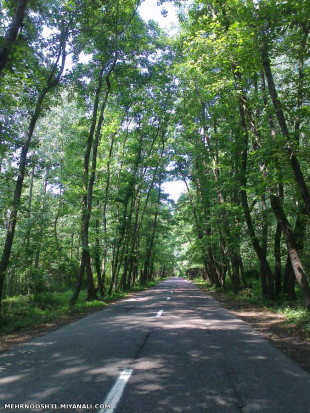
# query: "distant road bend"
{"points": [[168, 349]]}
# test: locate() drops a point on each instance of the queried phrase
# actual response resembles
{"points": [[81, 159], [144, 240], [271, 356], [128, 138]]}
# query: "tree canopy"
{"points": [[100, 108]]}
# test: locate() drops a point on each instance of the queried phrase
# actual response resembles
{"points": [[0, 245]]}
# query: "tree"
{"points": [[11, 34], [50, 82]]}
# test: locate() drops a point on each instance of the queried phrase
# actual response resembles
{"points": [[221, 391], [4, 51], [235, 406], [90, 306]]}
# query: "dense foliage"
{"points": [[99, 109], [85, 100], [243, 146]]}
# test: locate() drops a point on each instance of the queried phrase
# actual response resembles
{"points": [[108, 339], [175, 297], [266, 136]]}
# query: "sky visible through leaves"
{"points": [[149, 10]]}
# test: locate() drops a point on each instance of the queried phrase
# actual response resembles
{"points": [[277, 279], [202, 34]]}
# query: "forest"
{"points": [[99, 108]]}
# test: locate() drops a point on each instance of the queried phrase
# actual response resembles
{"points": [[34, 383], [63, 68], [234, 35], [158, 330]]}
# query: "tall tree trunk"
{"points": [[123, 281], [52, 82], [292, 248], [203, 219], [243, 104], [299, 177], [263, 277], [118, 255], [224, 263], [278, 233], [289, 280], [128, 241], [91, 293], [30, 202], [277, 256], [233, 256], [299, 233], [123, 239], [29, 251], [146, 271], [214, 270], [242, 272], [85, 211], [12, 32], [42, 206], [60, 204], [113, 265], [97, 260], [58, 246], [138, 222], [104, 213], [89, 181], [199, 233], [244, 112], [131, 254], [135, 271]]}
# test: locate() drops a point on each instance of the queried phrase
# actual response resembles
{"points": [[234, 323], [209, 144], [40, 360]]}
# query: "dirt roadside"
{"points": [[8, 341], [273, 326]]}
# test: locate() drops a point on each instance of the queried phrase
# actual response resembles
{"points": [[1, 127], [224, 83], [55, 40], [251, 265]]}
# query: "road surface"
{"points": [[168, 349]]}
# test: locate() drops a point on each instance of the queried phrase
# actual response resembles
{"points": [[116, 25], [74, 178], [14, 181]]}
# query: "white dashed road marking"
{"points": [[159, 313], [116, 392]]}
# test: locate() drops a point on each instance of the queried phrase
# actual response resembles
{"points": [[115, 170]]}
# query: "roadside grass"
{"points": [[296, 315], [23, 312], [298, 318]]}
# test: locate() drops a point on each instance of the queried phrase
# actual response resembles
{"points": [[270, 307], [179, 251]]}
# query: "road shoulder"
{"points": [[272, 326]]}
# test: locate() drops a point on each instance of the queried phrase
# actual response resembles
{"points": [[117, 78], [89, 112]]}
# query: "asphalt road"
{"points": [[168, 349]]}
